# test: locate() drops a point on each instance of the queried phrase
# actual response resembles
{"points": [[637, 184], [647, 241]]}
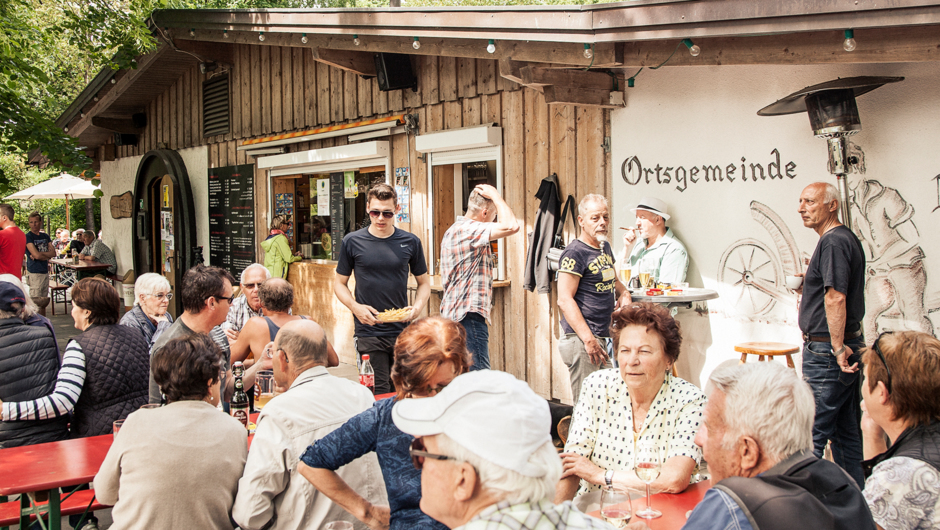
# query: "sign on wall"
{"points": [[232, 218]]}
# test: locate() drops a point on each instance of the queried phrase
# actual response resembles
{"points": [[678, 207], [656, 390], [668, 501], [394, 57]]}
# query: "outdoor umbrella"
{"points": [[64, 186]]}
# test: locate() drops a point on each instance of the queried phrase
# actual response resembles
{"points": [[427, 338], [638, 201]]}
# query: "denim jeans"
{"points": [[838, 410], [478, 340]]}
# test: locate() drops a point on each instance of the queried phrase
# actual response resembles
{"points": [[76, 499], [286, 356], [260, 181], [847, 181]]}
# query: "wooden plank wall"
{"points": [[278, 90]]}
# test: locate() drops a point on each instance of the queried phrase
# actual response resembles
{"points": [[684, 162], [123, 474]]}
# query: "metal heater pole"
{"points": [[838, 168]]}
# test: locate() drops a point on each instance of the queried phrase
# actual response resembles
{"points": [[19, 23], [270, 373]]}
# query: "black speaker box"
{"points": [[394, 72]]}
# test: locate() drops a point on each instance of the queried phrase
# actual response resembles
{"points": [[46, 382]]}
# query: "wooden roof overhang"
{"points": [[538, 46]]}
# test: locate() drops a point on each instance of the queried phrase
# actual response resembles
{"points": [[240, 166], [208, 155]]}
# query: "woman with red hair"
{"points": [[428, 355]]}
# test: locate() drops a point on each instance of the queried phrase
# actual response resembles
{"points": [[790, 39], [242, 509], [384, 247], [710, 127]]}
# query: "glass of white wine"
{"points": [[615, 507], [647, 463]]}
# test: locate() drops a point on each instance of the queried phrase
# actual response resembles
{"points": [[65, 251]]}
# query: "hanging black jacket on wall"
{"points": [[117, 375], [801, 492], [537, 275], [29, 366]]}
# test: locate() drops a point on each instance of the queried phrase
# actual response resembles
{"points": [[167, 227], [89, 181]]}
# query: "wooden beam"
{"points": [[532, 75], [589, 97], [357, 62], [121, 125], [881, 45], [511, 70], [606, 54]]}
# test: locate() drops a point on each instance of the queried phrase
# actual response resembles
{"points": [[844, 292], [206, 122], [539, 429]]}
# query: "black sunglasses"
{"points": [[386, 214], [220, 298], [419, 452], [882, 357]]}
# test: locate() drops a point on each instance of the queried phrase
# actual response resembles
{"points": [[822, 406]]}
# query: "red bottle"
{"points": [[367, 374]]}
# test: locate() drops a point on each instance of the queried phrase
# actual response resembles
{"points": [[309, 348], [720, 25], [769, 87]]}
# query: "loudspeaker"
{"points": [[394, 72]]}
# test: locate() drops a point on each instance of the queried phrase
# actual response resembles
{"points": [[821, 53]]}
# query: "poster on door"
{"points": [[323, 196]]}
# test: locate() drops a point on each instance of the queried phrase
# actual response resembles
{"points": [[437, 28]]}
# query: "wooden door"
{"points": [[165, 237]]}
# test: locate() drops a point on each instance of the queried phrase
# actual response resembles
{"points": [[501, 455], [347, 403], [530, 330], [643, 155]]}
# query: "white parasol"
{"points": [[64, 186]]}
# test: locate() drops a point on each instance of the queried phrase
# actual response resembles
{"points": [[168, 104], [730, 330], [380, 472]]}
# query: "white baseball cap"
{"points": [[492, 414], [652, 205]]}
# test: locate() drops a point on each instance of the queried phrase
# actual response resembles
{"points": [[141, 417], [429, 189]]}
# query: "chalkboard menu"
{"points": [[337, 215], [232, 218]]}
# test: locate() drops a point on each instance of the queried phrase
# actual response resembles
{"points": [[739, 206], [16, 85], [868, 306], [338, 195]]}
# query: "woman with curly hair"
{"points": [[429, 354], [639, 402]]}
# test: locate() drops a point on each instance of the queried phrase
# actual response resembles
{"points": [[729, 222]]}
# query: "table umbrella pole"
{"points": [[68, 218]]}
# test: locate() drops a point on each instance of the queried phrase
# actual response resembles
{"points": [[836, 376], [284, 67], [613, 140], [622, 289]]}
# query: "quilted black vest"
{"points": [[920, 443], [29, 365], [117, 369], [801, 492]]}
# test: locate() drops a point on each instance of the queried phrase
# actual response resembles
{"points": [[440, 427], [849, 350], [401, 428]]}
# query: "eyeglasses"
{"points": [[882, 357], [250, 285], [161, 296], [418, 454], [386, 214], [220, 298]]}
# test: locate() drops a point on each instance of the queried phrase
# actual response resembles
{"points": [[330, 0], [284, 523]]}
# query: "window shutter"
{"points": [[215, 106]]}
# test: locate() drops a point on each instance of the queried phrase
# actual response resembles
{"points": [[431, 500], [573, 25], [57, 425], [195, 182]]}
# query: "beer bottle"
{"points": [[239, 406], [367, 374]]}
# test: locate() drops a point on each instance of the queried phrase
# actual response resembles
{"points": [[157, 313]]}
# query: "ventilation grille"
{"points": [[215, 106]]}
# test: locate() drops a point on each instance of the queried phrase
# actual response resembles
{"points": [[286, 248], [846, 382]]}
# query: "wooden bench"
{"points": [[75, 504], [58, 293]]}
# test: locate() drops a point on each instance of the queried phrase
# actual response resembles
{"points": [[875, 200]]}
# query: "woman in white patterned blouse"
{"points": [[641, 401]]}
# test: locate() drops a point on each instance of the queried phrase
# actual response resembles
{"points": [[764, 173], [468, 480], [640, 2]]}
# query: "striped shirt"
{"points": [[62, 400], [467, 269]]}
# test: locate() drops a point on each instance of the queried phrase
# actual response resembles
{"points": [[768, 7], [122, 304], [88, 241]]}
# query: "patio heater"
{"points": [[833, 116]]}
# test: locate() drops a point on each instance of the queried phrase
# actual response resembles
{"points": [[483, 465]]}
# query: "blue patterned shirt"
{"points": [[717, 511], [373, 430]]}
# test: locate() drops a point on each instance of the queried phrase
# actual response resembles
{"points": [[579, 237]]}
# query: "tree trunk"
{"points": [[90, 216]]}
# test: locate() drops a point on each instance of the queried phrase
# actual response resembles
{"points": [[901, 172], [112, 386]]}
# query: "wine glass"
{"points": [[647, 463], [615, 507]]}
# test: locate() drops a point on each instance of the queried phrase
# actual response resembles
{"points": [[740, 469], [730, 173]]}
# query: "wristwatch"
{"points": [[839, 352], [609, 478]]}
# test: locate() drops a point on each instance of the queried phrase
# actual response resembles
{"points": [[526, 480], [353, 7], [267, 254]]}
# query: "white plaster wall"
{"points": [[707, 116], [118, 177]]}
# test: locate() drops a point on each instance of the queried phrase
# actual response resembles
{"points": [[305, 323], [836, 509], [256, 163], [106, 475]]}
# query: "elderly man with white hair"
{"points": [[652, 247], [758, 440], [248, 303], [151, 299], [486, 456]]}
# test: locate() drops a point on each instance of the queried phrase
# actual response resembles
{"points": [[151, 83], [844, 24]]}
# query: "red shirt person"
{"points": [[12, 243]]}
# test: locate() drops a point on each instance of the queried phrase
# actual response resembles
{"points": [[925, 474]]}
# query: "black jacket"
{"points": [[537, 274], [920, 443], [801, 492], [29, 366], [117, 370]]}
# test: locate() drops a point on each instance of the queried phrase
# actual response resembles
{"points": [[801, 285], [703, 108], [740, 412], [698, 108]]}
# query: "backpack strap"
{"points": [[558, 241]]}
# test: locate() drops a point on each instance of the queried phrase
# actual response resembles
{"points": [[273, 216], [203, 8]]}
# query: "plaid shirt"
{"points": [[542, 515], [102, 254], [239, 314], [467, 269]]}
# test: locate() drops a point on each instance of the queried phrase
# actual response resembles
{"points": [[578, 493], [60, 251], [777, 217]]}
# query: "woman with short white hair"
{"points": [[151, 299]]}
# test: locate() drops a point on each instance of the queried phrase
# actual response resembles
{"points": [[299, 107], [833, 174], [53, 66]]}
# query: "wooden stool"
{"points": [[767, 349]]}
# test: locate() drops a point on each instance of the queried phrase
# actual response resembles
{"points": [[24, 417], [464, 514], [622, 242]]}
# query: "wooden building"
{"points": [[268, 89]]}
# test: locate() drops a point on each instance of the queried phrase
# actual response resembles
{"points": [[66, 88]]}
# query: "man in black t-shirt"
{"points": [[38, 253], [381, 256], [831, 313], [587, 292]]}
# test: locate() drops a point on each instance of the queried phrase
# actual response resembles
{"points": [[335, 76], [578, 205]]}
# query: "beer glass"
{"points": [[264, 387]]}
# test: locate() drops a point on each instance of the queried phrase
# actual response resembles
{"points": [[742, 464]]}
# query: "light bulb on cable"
{"points": [[356, 40], [588, 52], [849, 43], [224, 33], [416, 44], [694, 49], [261, 36], [303, 38], [491, 47], [192, 32]]}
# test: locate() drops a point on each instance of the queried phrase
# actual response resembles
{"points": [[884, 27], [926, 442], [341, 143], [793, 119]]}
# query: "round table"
{"points": [[688, 296]]}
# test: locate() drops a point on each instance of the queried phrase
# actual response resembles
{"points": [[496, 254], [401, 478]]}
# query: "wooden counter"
{"points": [[438, 287]]}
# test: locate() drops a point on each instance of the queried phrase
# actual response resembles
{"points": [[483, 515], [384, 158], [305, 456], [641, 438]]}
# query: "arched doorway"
{"points": [[164, 220]]}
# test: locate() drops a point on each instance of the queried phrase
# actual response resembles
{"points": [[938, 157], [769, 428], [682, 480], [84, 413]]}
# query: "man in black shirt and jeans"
{"points": [[382, 256], [831, 313]]}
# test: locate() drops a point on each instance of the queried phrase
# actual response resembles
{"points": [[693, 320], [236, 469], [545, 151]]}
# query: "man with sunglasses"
{"points": [[467, 267], [902, 382], [831, 314], [382, 257], [248, 303], [486, 456], [206, 294]]}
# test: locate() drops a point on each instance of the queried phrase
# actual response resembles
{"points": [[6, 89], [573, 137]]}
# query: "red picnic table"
{"points": [[674, 506]]}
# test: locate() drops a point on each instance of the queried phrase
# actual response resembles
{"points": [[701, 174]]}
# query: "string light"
{"points": [[694, 49], [416, 44], [192, 32], [588, 51], [303, 38], [261, 36], [849, 43], [491, 46], [224, 33], [356, 40]]}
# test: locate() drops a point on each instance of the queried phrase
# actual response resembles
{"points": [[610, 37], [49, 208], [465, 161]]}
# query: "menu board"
{"points": [[337, 215], [232, 218]]}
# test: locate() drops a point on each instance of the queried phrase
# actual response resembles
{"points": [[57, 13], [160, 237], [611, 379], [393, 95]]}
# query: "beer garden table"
{"points": [[82, 265], [674, 506]]}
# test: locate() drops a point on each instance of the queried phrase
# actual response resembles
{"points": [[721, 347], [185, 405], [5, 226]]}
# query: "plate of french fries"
{"points": [[394, 315]]}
